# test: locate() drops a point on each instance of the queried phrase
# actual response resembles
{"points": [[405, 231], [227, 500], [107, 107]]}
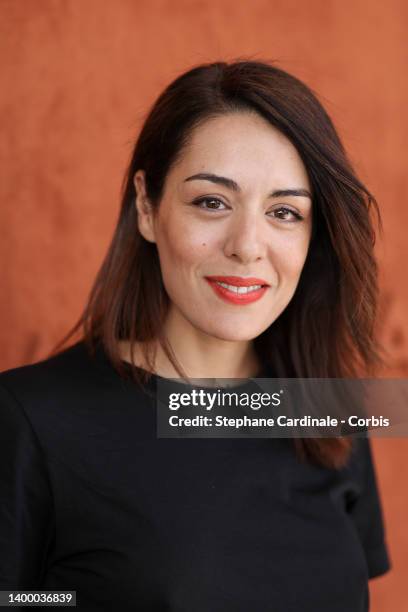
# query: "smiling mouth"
{"points": [[236, 289]]}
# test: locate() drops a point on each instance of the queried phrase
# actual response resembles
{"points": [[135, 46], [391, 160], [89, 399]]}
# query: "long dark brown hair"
{"points": [[328, 328]]}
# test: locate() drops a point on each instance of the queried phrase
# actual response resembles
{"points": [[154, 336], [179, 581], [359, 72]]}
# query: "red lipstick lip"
{"points": [[233, 297], [238, 281]]}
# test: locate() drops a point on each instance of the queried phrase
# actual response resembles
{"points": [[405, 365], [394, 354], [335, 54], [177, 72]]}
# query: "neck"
{"points": [[199, 355]]}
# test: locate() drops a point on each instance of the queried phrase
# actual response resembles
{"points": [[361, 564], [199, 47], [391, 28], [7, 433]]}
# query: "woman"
{"points": [[244, 248]]}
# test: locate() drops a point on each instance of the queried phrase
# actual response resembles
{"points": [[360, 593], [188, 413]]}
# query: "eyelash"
{"points": [[200, 201]]}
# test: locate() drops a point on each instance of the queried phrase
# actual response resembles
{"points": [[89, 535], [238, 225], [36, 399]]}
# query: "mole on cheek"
{"points": [[203, 243]]}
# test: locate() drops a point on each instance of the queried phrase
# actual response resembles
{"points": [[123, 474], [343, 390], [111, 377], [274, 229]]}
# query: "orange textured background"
{"points": [[76, 80]]}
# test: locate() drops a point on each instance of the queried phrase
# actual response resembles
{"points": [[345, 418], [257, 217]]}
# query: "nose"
{"points": [[246, 240]]}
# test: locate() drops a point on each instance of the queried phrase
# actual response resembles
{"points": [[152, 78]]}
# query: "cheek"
{"points": [[295, 261], [184, 248], [290, 256]]}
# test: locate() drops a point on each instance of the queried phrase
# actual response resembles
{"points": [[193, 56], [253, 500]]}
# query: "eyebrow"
{"points": [[230, 184]]}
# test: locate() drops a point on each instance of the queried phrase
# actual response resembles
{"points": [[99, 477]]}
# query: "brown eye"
{"points": [[209, 204], [286, 214]]}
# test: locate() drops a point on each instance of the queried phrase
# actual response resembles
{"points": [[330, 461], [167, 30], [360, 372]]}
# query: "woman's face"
{"points": [[233, 227]]}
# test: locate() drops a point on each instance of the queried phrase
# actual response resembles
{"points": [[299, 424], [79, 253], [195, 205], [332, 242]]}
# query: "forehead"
{"points": [[242, 146]]}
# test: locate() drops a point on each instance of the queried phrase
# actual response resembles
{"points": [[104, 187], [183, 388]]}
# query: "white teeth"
{"points": [[236, 289]]}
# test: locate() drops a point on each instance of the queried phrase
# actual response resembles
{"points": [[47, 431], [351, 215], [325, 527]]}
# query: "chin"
{"points": [[233, 334]]}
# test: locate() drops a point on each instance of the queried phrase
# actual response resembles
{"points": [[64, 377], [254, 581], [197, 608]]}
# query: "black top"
{"points": [[93, 501]]}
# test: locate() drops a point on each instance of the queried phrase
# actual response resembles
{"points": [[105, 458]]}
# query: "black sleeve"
{"points": [[26, 503], [366, 512]]}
